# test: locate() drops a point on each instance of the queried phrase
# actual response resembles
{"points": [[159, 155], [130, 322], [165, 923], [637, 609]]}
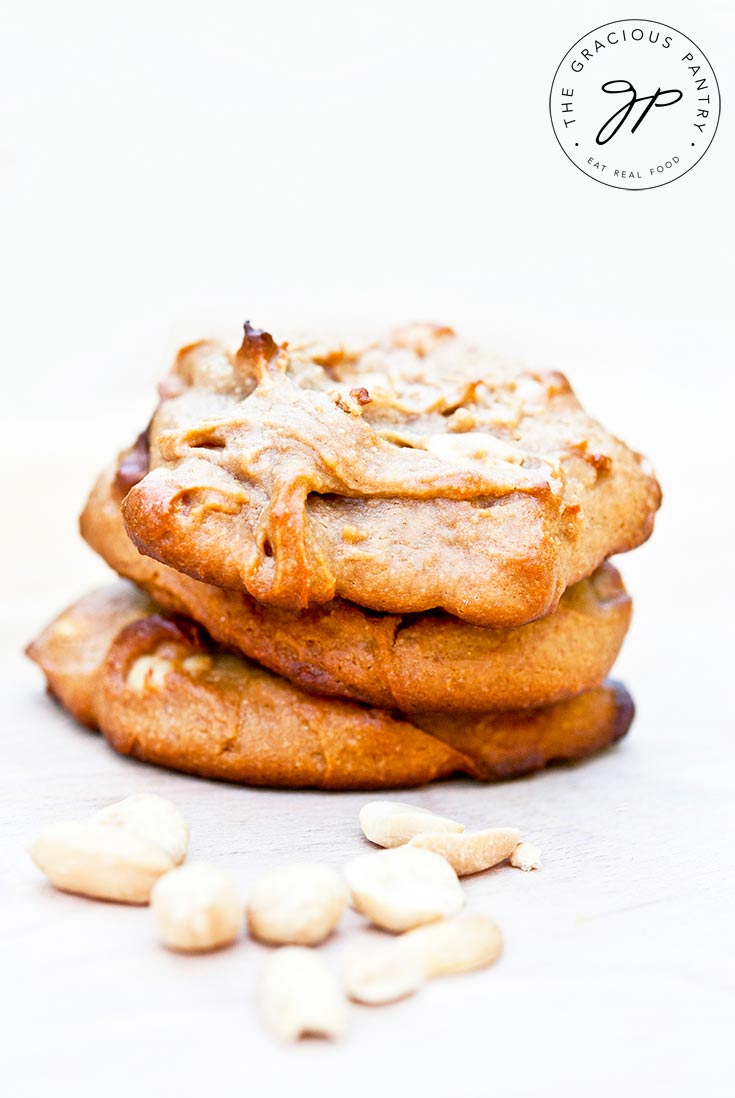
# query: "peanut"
{"points": [[380, 972], [153, 818], [297, 905], [472, 851], [148, 672], [95, 859], [526, 856], [392, 970], [403, 888], [462, 944], [299, 996], [196, 908], [392, 823]]}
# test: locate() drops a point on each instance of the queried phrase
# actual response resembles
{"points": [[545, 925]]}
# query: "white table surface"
{"points": [[170, 169]]}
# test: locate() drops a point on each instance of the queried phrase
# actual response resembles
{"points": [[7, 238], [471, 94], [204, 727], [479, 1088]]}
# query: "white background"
{"points": [[170, 170]]}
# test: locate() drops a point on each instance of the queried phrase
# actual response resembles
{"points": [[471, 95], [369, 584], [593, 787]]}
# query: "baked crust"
{"points": [[429, 661], [161, 691], [73, 648], [406, 475]]}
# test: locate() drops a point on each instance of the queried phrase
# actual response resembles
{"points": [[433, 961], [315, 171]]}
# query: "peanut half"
{"points": [[153, 818], [382, 972], [389, 971], [118, 853], [526, 856], [95, 859], [392, 823], [196, 908], [297, 905], [472, 851], [462, 944], [299, 996], [403, 888]]}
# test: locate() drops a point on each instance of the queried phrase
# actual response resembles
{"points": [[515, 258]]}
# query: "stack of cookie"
{"points": [[358, 567]]}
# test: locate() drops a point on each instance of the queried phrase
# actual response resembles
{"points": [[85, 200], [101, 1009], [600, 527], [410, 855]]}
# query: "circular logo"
{"points": [[635, 104]]}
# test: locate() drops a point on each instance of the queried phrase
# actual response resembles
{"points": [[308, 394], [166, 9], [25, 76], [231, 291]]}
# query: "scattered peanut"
{"points": [[128, 852], [297, 905], [152, 818], [381, 972], [196, 908], [299, 996], [462, 944], [526, 856], [392, 823], [95, 859], [472, 851], [117, 854], [403, 888]]}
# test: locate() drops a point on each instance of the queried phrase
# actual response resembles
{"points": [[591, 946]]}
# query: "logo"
{"points": [[635, 104]]}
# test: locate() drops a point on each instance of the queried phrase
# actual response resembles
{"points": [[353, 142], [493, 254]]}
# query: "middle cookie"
{"points": [[426, 661]]}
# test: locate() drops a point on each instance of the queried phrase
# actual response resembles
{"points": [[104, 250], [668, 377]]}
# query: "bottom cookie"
{"points": [[161, 691]]}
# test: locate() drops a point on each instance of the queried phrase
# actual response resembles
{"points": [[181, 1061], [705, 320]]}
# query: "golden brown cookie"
{"points": [[426, 661], [411, 474], [160, 691], [75, 645]]}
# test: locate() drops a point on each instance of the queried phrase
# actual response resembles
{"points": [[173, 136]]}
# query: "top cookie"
{"points": [[411, 473]]}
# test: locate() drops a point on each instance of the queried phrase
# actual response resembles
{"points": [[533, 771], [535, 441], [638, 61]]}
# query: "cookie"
{"points": [[426, 661], [406, 475], [161, 691], [73, 649]]}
